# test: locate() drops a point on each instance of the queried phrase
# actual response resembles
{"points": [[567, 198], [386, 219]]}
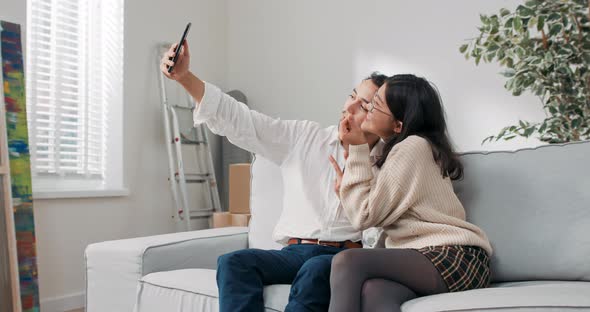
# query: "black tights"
{"points": [[381, 279]]}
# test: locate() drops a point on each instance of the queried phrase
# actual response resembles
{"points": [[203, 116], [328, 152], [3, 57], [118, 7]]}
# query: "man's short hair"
{"points": [[377, 78]]}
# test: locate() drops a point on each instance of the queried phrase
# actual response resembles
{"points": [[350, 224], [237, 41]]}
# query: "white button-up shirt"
{"points": [[311, 208]]}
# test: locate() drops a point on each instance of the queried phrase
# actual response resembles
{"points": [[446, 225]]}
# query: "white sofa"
{"points": [[534, 204]]}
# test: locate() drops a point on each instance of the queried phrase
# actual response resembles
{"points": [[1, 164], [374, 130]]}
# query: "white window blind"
{"points": [[74, 78]]}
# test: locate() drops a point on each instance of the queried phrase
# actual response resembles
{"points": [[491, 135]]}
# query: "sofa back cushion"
{"points": [[534, 205]]}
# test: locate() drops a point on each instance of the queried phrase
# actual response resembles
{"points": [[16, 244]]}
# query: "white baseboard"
{"points": [[64, 303]]}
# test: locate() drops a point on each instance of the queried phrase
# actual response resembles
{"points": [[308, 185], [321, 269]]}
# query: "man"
{"points": [[312, 224]]}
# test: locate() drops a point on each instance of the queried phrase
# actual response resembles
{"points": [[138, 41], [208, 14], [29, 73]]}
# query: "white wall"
{"points": [[13, 12], [299, 59], [65, 227]]}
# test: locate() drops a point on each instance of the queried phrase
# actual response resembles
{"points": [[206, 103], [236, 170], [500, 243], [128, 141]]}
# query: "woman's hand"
{"points": [[339, 175], [351, 133], [181, 67]]}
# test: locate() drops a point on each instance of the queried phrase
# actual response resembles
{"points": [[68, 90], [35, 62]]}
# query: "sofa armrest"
{"points": [[113, 268]]}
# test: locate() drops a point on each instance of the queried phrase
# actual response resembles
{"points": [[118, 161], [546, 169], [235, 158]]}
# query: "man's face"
{"points": [[355, 107]]}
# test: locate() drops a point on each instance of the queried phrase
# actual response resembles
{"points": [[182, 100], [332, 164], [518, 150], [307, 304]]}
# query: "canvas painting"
{"points": [[20, 166]]}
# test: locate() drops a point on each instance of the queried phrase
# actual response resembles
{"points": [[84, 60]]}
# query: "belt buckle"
{"points": [[319, 242]]}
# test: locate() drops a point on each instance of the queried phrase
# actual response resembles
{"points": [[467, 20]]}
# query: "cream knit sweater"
{"points": [[410, 199]]}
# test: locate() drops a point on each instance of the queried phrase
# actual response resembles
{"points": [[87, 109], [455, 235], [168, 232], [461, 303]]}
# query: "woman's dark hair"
{"points": [[377, 78], [416, 103]]}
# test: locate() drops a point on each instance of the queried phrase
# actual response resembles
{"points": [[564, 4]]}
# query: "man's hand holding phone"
{"points": [[181, 66], [175, 66]]}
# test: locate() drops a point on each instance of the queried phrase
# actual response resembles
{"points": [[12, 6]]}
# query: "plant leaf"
{"points": [[553, 17], [517, 24], [543, 127], [484, 19], [524, 11], [509, 73], [541, 22], [576, 122], [490, 138], [493, 47], [549, 57], [509, 23], [463, 48], [555, 29]]}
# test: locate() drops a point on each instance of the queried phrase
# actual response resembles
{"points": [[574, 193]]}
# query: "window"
{"points": [[74, 94]]}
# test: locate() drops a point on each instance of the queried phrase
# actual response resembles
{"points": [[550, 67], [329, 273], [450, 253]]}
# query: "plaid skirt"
{"points": [[461, 267]]}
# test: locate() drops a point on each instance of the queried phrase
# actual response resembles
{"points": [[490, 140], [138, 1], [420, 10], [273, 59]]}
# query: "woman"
{"points": [[431, 248]]}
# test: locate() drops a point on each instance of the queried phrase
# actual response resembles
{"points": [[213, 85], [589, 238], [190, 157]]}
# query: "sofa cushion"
{"points": [[193, 290], [534, 204], [522, 296], [196, 290]]}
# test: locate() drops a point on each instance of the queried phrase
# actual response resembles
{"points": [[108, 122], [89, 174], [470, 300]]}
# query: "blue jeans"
{"points": [[241, 276]]}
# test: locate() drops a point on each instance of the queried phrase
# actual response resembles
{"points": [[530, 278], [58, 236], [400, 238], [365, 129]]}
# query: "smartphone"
{"points": [[176, 53]]}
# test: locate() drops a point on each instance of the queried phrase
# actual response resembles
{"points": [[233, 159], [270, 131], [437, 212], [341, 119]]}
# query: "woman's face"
{"points": [[380, 120]]}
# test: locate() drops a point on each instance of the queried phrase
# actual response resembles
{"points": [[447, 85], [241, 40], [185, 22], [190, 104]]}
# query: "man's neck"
{"points": [[372, 143]]}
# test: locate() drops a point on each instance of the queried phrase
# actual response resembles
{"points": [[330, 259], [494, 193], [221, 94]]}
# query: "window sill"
{"points": [[56, 194]]}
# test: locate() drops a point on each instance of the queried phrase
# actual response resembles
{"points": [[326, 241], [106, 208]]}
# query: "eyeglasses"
{"points": [[372, 107]]}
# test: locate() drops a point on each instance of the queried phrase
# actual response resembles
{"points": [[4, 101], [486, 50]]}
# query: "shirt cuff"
{"points": [[209, 104]]}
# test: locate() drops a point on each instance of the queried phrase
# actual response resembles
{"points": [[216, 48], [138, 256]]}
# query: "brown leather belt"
{"points": [[303, 241]]}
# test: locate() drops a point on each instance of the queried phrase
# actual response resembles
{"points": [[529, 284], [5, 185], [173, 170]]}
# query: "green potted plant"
{"points": [[544, 48]]}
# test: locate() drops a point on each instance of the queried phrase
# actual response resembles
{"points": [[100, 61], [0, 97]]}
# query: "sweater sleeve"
{"points": [[381, 203]]}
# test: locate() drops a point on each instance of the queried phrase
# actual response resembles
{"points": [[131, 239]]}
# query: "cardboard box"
{"points": [[239, 198], [221, 219], [225, 219], [239, 188], [240, 219]]}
